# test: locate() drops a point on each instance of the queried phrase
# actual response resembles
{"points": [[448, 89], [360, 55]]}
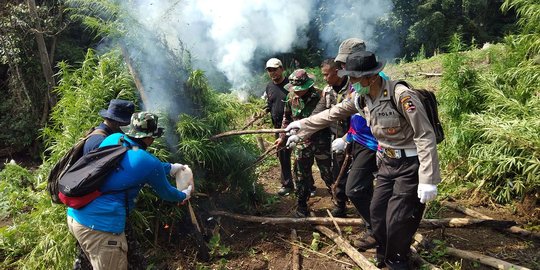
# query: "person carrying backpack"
{"points": [[407, 157], [117, 115], [99, 226]]}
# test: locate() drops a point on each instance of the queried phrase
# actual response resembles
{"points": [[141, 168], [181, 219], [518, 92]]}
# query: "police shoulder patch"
{"points": [[408, 104]]}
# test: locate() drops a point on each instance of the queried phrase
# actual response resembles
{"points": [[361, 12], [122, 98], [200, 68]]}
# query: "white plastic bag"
{"points": [[184, 178]]}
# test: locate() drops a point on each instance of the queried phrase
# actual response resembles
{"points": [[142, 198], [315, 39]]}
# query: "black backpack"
{"points": [[69, 158], [430, 104], [81, 183]]}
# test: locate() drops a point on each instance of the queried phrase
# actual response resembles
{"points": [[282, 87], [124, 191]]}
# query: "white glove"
{"points": [[338, 145], [427, 192], [293, 127], [187, 191], [292, 141], [175, 167]]}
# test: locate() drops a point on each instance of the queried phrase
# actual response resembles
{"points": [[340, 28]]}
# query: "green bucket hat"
{"points": [[300, 80], [143, 124]]}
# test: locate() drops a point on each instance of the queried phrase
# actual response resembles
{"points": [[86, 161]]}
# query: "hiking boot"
{"points": [[301, 212], [338, 211], [365, 243], [313, 191], [284, 191]]}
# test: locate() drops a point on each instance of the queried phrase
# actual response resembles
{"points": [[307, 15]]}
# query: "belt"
{"points": [[399, 153]]}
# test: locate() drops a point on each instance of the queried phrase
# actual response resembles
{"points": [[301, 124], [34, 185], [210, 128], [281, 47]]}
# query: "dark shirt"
{"points": [[276, 95], [95, 140]]}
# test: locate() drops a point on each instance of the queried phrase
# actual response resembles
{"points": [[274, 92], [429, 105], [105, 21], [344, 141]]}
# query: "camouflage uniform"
{"points": [[339, 129], [317, 146]]}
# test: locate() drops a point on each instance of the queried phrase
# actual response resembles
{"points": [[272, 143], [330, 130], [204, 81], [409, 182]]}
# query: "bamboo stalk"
{"points": [[295, 252], [483, 259], [425, 223], [344, 245], [243, 132]]}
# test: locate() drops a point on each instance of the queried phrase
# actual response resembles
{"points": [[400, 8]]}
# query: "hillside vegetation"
{"points": [[489, 105]]}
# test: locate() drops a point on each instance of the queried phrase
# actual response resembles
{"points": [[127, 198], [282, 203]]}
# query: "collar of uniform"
{"points": [[383, 95]]}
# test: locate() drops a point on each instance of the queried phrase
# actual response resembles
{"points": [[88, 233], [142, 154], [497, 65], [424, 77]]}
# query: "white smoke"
{"points": [[228, 39], [344, 19], [239, 28]]}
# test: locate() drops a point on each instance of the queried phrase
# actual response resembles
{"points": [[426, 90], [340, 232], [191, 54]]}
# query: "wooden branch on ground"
{"points": [[430, 74], [420, 240], [425, 223], [344, 245], [243, 132], [472, 213], [465, 222], [334, 221], [295, 252], [317, 253], [483, 259], [290, 220]]}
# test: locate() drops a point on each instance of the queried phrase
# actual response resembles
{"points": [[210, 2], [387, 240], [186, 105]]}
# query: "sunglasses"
{"points": [[271, 69]]}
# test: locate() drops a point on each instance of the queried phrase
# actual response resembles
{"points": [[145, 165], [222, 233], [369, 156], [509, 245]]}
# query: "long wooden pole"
{"points": [[243, 132], [425, 223]]}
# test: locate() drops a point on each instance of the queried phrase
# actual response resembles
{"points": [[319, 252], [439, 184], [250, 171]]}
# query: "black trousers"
{"points": [[396, 210], [359, 184], [284, 157]]}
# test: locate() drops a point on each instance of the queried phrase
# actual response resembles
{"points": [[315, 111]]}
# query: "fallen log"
{"points": [[472, 213], [295, 253], [425, 223], [483, 259], [243, 132], [344, 245]]}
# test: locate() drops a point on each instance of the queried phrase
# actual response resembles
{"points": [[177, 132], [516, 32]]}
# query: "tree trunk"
{"points": [[45, 63], [135, 75]]}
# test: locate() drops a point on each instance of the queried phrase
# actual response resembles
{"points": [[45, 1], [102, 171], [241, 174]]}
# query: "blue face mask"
{"points": [[359, 89]]}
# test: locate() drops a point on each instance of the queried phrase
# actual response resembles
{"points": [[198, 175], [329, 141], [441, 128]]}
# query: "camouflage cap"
{"points": [[348, 46], [143, 124], [300, 80]]}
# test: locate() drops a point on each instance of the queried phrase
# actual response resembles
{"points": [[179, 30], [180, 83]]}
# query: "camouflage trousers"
{"points": [[318, 148]]}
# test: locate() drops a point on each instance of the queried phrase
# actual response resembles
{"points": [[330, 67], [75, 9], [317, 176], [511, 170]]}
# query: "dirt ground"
{"points": [[245, 245]]}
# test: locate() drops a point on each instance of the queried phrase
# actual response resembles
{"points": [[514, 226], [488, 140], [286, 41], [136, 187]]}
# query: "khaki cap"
{"points": [[273, 63], [349, 46]]}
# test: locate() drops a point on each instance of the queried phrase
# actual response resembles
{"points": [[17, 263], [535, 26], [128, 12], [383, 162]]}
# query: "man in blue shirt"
{"points": [[99, 226]]}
